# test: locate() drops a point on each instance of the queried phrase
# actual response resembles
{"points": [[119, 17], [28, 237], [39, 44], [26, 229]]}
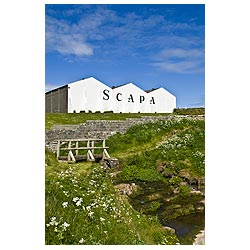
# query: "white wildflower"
{"points": [[65, 204], [90, 214], [81, 240], [78, 203], [65, 224], [75, 199], [102, 219], [66, 193]]}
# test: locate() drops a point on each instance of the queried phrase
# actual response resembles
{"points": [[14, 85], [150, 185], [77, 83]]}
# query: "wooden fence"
{"points": [[81, 149]]}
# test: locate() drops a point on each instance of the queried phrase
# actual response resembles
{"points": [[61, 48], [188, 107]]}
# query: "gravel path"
{"points": [[200, 238]]}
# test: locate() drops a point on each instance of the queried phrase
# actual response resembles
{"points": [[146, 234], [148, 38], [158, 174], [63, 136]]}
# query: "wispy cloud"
{"points": [[104, 33], [60, 38], [178, 60]]}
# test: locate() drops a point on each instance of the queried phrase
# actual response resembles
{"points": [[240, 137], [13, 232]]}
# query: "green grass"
{"points": [[189, 111], [82, 207], [78, 118], [180, 143]]}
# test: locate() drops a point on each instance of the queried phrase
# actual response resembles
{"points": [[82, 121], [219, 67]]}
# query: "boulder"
{"points": [[168, 174], [126, 188], [110, 163], [172, 230], [163, 165], [184, 174], [160, 167]]}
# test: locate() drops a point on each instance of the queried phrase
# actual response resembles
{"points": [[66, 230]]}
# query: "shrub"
{"points": [[133, 172], [184, 190], [108, 111], [165, 238], [155, 205]]}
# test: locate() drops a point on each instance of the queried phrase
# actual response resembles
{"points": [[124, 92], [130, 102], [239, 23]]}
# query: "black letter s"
{"points": [[106, 93]]}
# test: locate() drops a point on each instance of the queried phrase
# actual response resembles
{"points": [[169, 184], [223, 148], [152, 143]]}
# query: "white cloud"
{"points": [[60, 38], [183, 67], [102, 31], [180, 60], [181, 53]]}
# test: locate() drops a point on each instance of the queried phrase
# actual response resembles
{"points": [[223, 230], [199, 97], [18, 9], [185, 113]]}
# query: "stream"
{"points": [[185, 214]]}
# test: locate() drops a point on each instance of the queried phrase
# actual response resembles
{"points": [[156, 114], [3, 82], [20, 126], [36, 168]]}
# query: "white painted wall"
{"points": [[165, 102], [88, 94], [129, 98], [91, 94]]}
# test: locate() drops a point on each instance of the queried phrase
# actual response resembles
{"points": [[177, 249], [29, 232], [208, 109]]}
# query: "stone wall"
{"points": [[102, 129]]}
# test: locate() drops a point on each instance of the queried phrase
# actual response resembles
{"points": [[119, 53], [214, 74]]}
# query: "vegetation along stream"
{"points": [[183, 213], [153, 194], [164, 164]]}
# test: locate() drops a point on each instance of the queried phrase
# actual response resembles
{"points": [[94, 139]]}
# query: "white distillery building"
{"points": [[164, 102], [91, 95], [129, 98]]}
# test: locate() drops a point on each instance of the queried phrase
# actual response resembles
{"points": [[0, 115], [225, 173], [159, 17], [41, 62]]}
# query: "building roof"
{"points": [[150, 90], [114, 87], [66, 85], [61, 87]]}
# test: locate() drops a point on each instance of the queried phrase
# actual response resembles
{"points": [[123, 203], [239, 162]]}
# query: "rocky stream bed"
{"points": [[179, 206]]}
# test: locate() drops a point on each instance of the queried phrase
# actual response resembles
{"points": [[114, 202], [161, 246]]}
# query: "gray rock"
{"points": [[168, 174]]}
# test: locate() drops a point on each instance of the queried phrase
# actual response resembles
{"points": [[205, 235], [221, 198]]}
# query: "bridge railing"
{"points": [[88, 147]]}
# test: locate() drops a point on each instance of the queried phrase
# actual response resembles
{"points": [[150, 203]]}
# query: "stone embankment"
{"points": [[126, 188], [102, 129], [200, 238]]}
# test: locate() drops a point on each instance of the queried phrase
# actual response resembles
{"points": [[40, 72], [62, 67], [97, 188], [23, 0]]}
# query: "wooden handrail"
{"points": [[90, 147], [84, 148]]}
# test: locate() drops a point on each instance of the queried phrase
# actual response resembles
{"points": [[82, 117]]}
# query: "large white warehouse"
{"points": [[91, 95]]}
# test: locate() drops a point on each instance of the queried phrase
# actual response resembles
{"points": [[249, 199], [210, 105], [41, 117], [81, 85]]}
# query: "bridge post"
{"points": [[92, 145], [90, 156], [58, 150], [77, 145]]}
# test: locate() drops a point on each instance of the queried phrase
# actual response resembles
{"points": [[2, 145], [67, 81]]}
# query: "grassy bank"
{"points": [[180, 143], [82, 207], [167, 160], [78, 118]]}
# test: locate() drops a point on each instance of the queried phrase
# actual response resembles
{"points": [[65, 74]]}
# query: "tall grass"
{"points": [[181, 143], [82, 207]]}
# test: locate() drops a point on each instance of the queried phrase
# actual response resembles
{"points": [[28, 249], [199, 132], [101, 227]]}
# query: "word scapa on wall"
{"points": [[130, 97]]}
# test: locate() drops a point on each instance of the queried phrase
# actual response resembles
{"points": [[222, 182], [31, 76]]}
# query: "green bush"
{"points": [[133, 172], [189, 111], [184, 190], [154, 206], [165, 238]]}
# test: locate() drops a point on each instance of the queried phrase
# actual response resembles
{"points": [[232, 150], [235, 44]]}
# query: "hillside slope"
{"points": [[164, 160]]}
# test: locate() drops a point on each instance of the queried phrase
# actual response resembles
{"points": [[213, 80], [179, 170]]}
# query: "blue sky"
{"points": [[149, 45]]}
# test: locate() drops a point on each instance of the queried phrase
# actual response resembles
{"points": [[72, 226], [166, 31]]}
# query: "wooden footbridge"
{"points": [[72, 150]]}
